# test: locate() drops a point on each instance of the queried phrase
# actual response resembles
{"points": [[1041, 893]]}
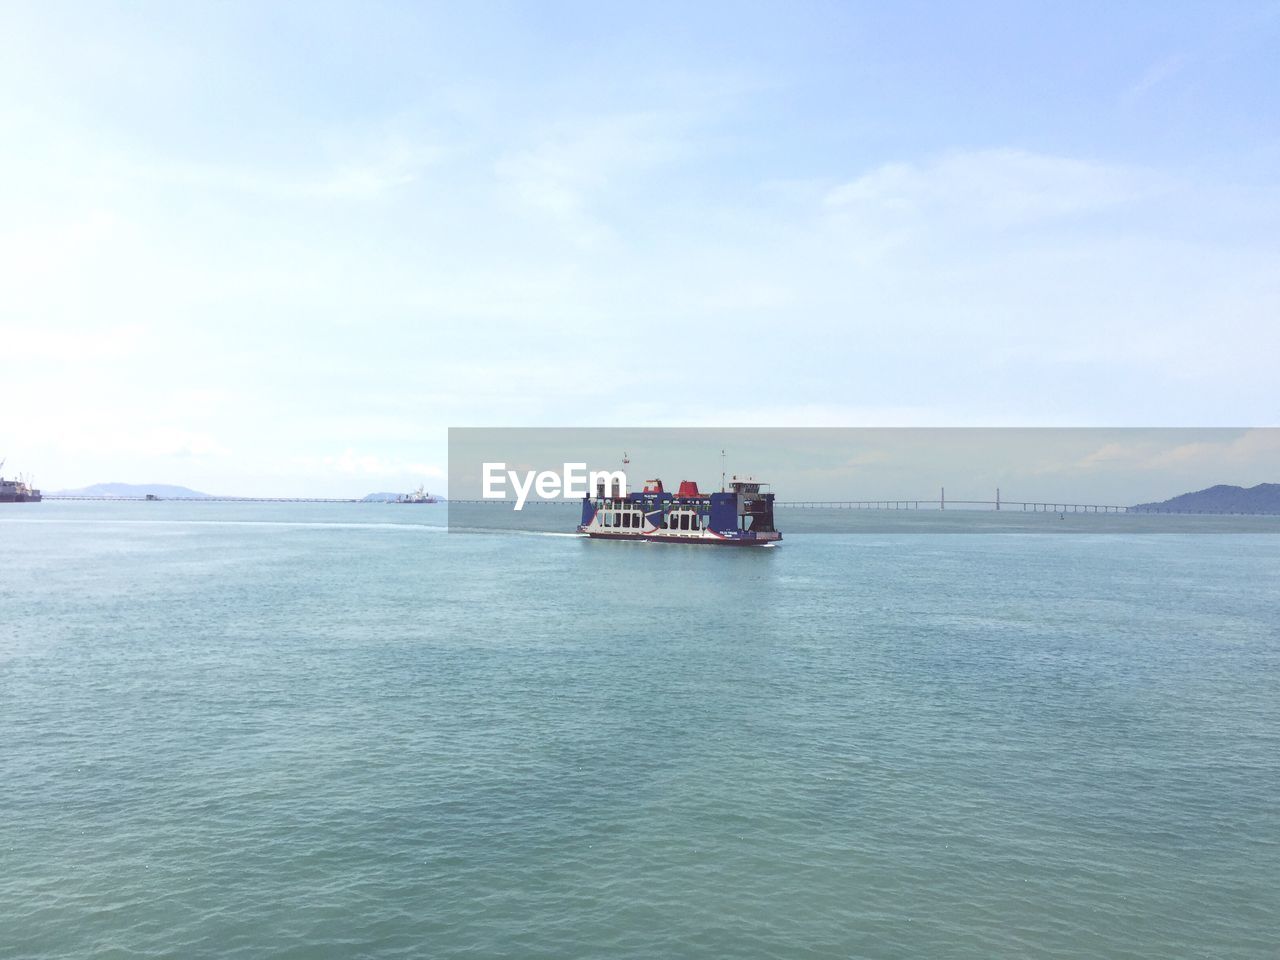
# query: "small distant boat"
{"points": [[418, 496], [17, 491]]}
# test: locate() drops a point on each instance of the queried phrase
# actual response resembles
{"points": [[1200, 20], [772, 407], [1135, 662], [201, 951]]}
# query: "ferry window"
{"points": [[684, 521]]}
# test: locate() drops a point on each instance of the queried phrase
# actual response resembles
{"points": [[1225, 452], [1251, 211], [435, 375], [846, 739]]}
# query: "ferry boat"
{"points": [[740, 516]]}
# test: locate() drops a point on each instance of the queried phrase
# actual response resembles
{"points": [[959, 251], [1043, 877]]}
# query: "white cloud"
{"points": [[998, 188], [572, 164], [358, 170], [367, 465], [1157, 73], [96, 434], [1258, 448]]}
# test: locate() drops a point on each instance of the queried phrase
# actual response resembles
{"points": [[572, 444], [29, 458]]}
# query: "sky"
{"points": [[279, 249]]}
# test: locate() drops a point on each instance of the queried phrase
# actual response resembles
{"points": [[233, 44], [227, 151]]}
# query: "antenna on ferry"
{"points": [[722, 470]]}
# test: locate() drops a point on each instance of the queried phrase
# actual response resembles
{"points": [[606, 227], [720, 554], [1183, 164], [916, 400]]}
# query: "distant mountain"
{"points": [[132, 490], [1264, 498]]}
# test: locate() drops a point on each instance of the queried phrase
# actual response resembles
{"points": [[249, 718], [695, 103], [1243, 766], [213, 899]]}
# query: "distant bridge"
{"points": [[1025, 506], [1028, 506], [64, 496]]}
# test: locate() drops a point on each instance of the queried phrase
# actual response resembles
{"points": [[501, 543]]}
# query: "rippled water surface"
{"points": [[338, 731]]}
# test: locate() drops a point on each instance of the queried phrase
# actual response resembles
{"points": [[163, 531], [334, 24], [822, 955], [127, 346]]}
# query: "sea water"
{"points": [[234, 730]]}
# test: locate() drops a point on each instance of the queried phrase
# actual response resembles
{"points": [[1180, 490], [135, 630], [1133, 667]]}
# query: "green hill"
{"points": [[1264, 498], [163, 490]]}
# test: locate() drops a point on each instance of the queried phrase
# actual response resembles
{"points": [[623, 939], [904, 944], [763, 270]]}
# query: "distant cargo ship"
{"points": [[17, 491], [418, 496], [741, 516]]}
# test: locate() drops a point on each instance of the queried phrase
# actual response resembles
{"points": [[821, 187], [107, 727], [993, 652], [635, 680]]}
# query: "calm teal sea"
{"points": [[338, 731]]}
